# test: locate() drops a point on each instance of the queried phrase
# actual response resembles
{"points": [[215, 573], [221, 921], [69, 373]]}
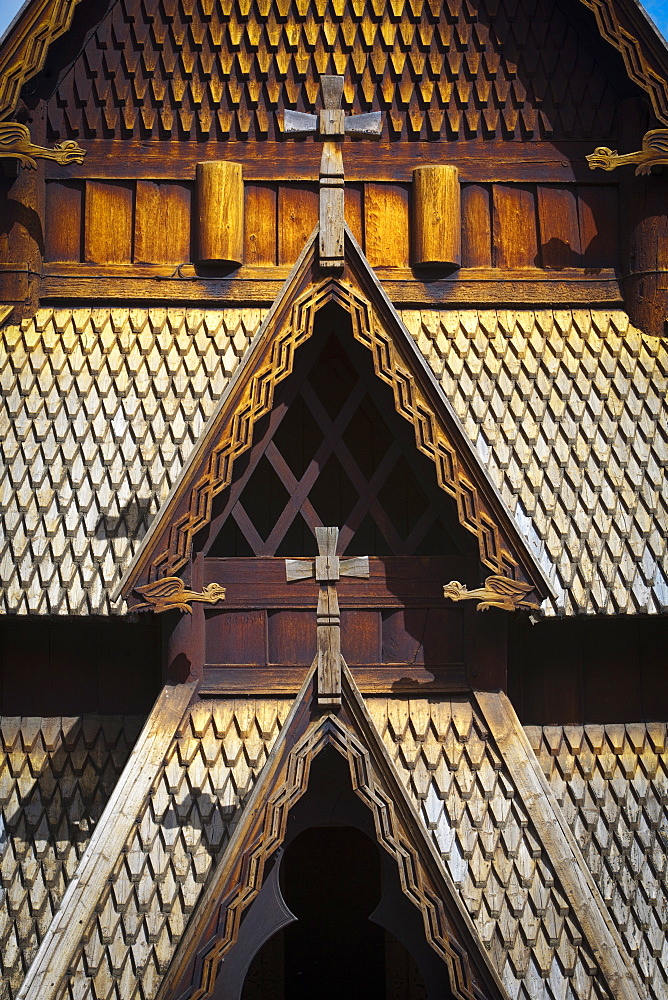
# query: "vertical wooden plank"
{"points": [[237, 637], [64, 217], [220, 211], [361, 637], [260, 224], [353, 211], [437, 216], [292, 638], [386, 224], [598, 211], [109, 222], [476, 226], [558, 227], [297, 218], [514, 226], [162, 223]]}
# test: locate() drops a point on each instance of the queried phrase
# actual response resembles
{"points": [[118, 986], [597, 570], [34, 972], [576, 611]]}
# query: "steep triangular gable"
{"points": [[239, 876], [167, 546]]}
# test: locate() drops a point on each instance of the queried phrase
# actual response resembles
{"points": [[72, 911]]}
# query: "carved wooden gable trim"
{"points": [[24, 53], [238, 879], [375, 324]]}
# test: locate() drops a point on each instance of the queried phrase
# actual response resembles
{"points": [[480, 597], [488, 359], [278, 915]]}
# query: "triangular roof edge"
{"points": [[25, 45], [260, 831], [418, 399]]}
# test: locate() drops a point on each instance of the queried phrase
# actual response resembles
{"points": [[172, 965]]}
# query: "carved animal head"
{"points": [[214, 592], [69, 152], [602, 157], [455, 590]]}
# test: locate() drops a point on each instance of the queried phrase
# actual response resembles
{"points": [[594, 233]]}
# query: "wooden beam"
{"points": [[58, 947], [437, 216], [470, 286], [560, 845], [220, 212], [290, 160]]}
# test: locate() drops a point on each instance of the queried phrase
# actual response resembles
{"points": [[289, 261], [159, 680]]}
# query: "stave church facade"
{"points": [[333, 513]]}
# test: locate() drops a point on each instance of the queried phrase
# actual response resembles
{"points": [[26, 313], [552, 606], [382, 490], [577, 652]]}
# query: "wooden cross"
{"points": [[332, 125], [327, 569]]}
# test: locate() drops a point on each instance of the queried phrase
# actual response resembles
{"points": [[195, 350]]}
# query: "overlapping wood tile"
{"points": [[463, 791], [612, 784], [180, 831], [101, 408], [56, 776], [195, 69], [566, 410]]}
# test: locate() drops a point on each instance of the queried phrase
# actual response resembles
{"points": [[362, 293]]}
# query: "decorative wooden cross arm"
{"points": [[327, 569], [332, 125]]}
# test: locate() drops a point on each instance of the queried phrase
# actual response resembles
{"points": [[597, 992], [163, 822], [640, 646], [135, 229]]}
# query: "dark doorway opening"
{"points": [[351, 933]]}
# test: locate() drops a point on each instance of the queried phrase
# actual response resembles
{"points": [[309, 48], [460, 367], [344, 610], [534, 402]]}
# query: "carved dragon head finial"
{"points": [[603, 157]]}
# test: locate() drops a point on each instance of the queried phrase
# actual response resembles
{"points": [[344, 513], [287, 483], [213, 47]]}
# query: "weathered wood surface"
{"points": [[479, 162], [108, 223], [436, 216], [64, 934], [220, 212], [560, 845]]}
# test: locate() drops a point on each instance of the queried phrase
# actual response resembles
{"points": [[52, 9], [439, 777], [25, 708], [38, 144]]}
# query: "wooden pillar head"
{"points": [[220, 212], [437, 216]]}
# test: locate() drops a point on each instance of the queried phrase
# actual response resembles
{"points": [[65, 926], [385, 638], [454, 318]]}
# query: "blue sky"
{"points": [[657, 9]]}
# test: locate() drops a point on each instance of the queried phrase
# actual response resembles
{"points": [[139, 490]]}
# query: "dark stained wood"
{"points": [[239, 681], [386, 225], [558, 227], [478, 161], [423, 635], [514, 226], [361, 637], [108, 222], [476, 226], [236, 637], [598, 213], [260, 211], [291, 638], [392, 583], [297, 217], [71, 666], [64, 220], [162, 225]]}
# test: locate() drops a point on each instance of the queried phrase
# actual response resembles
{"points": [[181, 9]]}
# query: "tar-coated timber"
{"points": [[220, 212], [437, 216]]}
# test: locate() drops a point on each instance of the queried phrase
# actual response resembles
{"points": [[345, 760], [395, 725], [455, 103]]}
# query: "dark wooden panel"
{"points": [[476, 226], [260, 208], [598, 211], [420, 681], [558, 227], [297, 217], [478, 161], [109, 222], [64, 220], [610, 671], [386, 228], [236, 637], [653, 647], [361, 637], [392, 583], [162, 223], [292, 637], [423, 636], [514, 226]]}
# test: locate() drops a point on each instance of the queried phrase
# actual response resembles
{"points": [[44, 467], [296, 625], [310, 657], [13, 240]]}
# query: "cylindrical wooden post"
{"points": [[437, 216], [220, 212]]}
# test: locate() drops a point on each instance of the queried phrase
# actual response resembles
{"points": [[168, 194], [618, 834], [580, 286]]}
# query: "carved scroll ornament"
{"points": [[16, 144], [170, 593], [497, 592], [654, 153]]}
